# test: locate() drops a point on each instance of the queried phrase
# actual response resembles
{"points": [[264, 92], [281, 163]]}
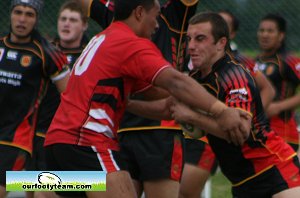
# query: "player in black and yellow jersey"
{"points": [[28, 63]]}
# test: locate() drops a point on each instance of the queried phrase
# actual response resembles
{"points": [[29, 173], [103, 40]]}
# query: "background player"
{"points": [[259, 161], [27, 64]]}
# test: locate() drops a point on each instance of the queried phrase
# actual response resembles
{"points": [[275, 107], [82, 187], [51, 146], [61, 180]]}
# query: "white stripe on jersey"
{"points": [[100, 114], [99, 128]]}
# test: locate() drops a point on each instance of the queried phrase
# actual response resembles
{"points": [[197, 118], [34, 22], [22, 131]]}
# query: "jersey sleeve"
{"points": [[55, 65], [238, 89], [141, 86], [184, 10], [291, 70], [101, 11], [145, 63]]}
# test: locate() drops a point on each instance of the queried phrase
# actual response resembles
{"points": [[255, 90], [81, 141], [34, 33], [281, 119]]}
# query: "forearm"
{"points": [[209, 125], [150, 109], [188, 91], [289, 103]]}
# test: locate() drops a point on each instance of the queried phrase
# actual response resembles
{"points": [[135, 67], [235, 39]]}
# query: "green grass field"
{"points": [[220, 186]]}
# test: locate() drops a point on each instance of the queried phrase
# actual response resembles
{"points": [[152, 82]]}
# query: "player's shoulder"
{"points": [[48, 47], [293, 60]]}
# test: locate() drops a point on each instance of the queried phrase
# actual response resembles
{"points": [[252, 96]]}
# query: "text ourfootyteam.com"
{"points": [[55, 187]]}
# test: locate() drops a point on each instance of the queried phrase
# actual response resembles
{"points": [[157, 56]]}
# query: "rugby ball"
{"points": [[48, 178], [191, 130]]}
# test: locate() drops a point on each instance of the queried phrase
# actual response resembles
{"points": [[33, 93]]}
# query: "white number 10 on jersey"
{"points": [[87, 55]]}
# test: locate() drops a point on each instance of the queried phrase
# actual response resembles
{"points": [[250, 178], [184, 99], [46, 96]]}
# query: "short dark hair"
{"points": [[278, 19], [124, 8], [219, 26], [235, 21], [74, 6]]}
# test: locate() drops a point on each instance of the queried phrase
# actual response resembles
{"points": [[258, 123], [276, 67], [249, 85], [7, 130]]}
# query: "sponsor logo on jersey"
{"points": [[1, 53], [25, 60], [238, 94], [242, 91], [12, 55]]}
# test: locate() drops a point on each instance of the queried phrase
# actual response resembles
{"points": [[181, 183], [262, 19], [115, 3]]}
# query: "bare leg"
{"points": [[119, 184], [3, 192], [138, 187], [292, 192], [193, 181], [165, 188]]}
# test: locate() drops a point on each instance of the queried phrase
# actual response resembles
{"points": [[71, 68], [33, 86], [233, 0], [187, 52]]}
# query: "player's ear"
{"points": [[221, 44], [139, 12]]}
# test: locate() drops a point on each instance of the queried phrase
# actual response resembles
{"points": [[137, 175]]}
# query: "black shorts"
{"points": [[37, 162], [200, 154], [12, 159], [153, 154], [66, 157], [281, 177]]}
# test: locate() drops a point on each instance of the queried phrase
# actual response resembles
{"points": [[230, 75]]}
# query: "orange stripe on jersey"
{"points": [[36, 52]]}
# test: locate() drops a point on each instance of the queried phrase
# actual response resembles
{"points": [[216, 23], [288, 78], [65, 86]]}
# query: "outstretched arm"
{"points": [[183, 114], [188, 91], [158, 109], [288, 104]]}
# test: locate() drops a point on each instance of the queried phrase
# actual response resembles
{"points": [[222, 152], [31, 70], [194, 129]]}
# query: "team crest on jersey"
{"points": [[1, 53], [270, 70], [25, 60]]}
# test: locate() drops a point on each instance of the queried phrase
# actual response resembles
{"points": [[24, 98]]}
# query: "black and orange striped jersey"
{"points": [[233, 84], [246, 61], [283, 71], [51, 100], [25, 70]]}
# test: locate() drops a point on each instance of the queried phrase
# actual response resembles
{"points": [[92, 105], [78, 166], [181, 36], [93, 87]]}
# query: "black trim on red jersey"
{"points": [[107, 99], [114, 82]]}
